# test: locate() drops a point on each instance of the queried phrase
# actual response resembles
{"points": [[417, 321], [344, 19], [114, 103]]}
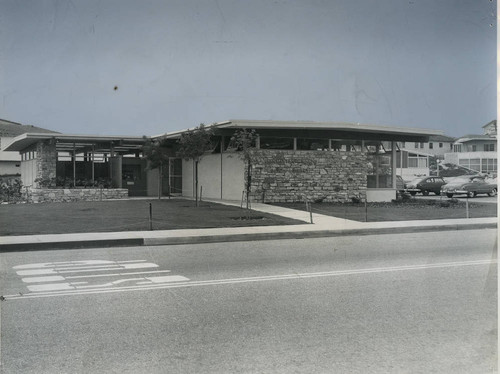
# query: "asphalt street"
{"points": [[401, 303]]}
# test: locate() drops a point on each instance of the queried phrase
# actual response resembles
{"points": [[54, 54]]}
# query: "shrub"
{"points": [[10, 190]]}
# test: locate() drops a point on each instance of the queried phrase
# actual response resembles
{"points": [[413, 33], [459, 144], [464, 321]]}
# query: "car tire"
{"points": [[471, 194], [450, 195], [425, 193], [413, 193], [493, 192]]}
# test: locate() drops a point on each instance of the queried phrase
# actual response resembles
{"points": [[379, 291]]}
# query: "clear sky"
{"points": [[146, 67]]}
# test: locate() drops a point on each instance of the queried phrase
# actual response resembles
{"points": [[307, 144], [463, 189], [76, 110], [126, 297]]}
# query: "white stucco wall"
{"points": [[233, 176], [209, 176], [221, 177], [152, 182], [28, 172], [380, 195], [187, 178]]}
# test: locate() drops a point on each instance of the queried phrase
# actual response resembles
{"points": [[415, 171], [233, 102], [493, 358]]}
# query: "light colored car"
{"points": [[473, 186]]}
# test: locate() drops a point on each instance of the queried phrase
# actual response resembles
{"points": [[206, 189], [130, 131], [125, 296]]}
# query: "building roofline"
{"points": [[311, 125], [25, 140]]}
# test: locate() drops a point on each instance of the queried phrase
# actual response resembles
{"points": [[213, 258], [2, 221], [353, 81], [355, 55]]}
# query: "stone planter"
{"points": [[45, 195]]}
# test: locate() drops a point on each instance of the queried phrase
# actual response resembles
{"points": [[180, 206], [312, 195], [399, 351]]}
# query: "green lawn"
{"points": [[126, 215], [413, 209]]}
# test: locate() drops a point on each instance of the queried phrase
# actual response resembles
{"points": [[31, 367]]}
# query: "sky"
{"points": [[142, 67]]}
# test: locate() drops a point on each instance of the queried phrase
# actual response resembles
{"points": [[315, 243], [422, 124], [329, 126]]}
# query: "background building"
{"points": [[10, 162], [476, 152]]}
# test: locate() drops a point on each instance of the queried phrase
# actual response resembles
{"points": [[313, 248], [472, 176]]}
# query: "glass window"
{"points": [[440, 145], [475, 164], [276, 143], [416, 145], [312, 144], [345, 145], [474, 148], [489, 147], [431, 145], [422, 145], [379, 167]]}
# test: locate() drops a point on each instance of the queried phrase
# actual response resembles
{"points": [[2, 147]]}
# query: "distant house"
{"points": [[437, 145], [10, 162], [476, 152]]}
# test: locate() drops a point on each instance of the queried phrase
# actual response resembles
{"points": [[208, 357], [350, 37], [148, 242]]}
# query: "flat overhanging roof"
{"points": [[347, 127], [24, 141]]}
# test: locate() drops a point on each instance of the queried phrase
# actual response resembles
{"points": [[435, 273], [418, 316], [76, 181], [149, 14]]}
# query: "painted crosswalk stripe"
{"points": [[84, 270], [229, 281]]}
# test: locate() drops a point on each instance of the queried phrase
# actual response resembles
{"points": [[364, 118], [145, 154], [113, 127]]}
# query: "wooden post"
{"points": [[150, 217], [196, 181]]}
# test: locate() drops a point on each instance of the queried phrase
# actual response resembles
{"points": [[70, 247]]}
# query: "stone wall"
{"points": [[292, 176], [44, 195], [46, 159]]}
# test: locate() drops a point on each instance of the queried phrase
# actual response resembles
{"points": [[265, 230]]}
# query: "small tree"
{"points": [[157, 152], [192, 145], [244, 140]]}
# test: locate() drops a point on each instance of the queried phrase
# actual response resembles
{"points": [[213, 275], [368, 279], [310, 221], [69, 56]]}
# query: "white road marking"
{"points": [[254, 279], [53, 278], [168, 278], [84, 270], [65, 263], [116, 274], [50, 287]]}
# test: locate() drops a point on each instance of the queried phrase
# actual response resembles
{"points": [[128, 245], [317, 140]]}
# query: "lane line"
{"points": [[255, 279], [57, 271], [117, 274]]}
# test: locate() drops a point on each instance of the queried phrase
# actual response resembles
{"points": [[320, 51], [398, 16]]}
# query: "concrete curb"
{"points": [[219, 238], [72, 244]]}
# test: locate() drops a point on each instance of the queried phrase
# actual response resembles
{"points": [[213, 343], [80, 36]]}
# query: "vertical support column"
{"points": [[170, 169], [93, 161], [329, 144], [74, 165], [294, 144], [393, 164], [221, 164], [42, 161], [111, 156]]}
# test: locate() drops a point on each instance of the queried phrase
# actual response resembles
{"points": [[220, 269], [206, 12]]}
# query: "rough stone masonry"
{"points": [[294, 176]]}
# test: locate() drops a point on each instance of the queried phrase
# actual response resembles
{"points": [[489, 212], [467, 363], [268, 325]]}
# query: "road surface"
{"points": [[403, 303]]}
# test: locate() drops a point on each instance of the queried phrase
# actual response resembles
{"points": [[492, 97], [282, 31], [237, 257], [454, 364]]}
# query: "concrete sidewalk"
{"points": [[323, 226]]}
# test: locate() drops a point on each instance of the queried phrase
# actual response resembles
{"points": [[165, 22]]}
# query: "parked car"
{"points": [[425, 185], [471, 187]]}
